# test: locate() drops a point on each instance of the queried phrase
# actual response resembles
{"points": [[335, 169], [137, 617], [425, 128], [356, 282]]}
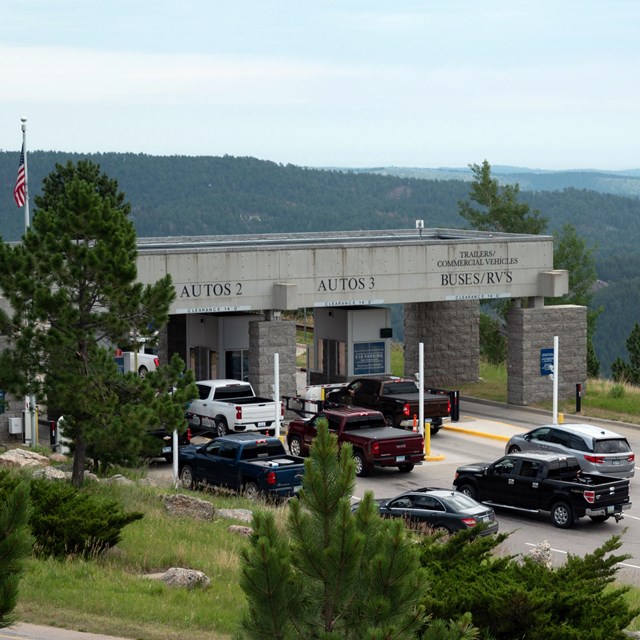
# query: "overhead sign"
{"points": [[546, 362]]}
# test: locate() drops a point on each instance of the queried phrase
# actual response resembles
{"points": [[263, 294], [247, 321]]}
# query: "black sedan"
{"points": [[438, 510]]}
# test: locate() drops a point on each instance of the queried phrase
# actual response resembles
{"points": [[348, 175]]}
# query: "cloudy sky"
{"points": [[551, 84]]}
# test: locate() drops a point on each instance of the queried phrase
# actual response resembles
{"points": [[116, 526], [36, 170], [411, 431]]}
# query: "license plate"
{"points": [[610, 509], [401, 458], [297, 489], [617, 462], [262, 424], [167, 449]]}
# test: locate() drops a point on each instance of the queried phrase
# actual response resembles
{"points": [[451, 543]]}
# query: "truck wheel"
{"points": [[142, 372], [295, 446], [514, 448], [562, 515], [187, 478], [405, 468], [469, 490], [220, 428], [435, 428], [599, 518], [389, 421], [250, 490], [361, 469]]}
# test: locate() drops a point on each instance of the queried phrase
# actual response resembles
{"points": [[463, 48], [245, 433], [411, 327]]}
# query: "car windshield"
{"points": [[615, 445]]}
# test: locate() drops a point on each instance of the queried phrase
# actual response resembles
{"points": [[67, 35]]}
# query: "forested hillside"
{"points": [[191, 196]]}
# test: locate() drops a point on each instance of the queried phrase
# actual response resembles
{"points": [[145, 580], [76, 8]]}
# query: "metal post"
{"points": [[174, 446], [276, 376], [578, 398], [556, 375]]}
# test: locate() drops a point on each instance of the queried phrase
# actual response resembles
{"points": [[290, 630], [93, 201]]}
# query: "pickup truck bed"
{"points": [[374, 444], [398, 399]]}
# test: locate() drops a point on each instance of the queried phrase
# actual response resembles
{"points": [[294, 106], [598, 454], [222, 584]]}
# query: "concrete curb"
{"points": [[474, 432], [574, 416]]}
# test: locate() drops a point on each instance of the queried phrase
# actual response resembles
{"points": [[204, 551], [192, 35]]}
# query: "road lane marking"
{"points": [[619, 564]]}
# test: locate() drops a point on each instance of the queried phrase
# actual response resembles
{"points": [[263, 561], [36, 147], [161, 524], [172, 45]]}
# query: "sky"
{"points": [[549, 84]]}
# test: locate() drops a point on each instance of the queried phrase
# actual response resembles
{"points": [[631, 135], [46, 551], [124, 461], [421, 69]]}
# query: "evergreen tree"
{"points": [[15, 545], [72, 288], [499, 207], [336, 574], [623, 371], [571, 252]]}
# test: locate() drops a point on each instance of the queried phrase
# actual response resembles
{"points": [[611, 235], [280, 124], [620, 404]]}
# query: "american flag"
{"points": [[20, 188]]}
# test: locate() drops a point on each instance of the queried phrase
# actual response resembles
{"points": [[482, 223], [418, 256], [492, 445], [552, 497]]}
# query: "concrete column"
{"points": [[450, 332], [532, 329], [265, 339]]}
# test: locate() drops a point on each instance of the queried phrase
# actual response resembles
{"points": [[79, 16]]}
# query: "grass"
{"points": [[602, 399], [112, 594]]}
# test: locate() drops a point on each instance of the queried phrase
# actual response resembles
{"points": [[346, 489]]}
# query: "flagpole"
{"points": [[30, 400], [26, 175]]}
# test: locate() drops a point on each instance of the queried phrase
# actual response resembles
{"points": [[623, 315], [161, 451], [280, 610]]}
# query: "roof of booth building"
{"points": [[333, 238]]}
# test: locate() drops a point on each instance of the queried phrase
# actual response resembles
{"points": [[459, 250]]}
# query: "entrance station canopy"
{"points": [[214, 274]]}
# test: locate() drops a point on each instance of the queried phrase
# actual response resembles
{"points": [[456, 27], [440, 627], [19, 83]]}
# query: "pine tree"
{"points": [[72, 288], [333, 574], [623, 371], [15, 545]]}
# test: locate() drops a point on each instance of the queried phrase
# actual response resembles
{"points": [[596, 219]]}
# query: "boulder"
{"points": [[189, 578], [50, 473], [240, 530], [180, 505], [23, 458], [244, 515]]}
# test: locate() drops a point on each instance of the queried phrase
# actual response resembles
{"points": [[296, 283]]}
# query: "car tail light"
{"points": [[271, 477], [156, 361], [631, 458], [375, 448], [187, 435], [238, 413], [589, 496], [281, 409], [470, 522], [406, 409], [594, 459], [449, 406]]}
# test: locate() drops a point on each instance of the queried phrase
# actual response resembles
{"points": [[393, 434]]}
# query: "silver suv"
{"points": [[598, 450]]}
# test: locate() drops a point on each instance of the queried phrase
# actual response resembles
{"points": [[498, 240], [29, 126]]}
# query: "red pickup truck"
{"points": [[374, 443]]}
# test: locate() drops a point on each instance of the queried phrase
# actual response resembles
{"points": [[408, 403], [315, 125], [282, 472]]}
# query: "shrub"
{"points": [[617, 391], [66, 520], [510, 598]]}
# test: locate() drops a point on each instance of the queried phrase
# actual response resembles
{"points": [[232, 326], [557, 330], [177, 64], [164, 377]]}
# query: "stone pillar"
{"points": [[450, 332], [265, 339], [533, 329]]}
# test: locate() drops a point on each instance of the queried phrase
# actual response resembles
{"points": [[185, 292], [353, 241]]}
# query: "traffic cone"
{"points": [[415, 422]]}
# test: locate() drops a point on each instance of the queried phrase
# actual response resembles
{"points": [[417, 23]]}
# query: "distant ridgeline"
{"points": [[207, 195]]}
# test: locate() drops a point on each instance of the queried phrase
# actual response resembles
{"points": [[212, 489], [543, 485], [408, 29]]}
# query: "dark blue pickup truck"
{"points": [[251, 463]]}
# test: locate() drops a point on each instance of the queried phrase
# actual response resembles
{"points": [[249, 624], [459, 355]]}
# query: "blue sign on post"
{"points": [[546, 362]]}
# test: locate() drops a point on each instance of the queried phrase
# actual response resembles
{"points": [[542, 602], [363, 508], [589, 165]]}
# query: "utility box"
{"points": [[15, 426]]}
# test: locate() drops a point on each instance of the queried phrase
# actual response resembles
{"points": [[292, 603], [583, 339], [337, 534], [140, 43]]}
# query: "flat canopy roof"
{"points": [[219, 274]]}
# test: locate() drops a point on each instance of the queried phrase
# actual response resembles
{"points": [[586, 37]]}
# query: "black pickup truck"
{"points": [[398, 399], [545, 482], [245, 462]]}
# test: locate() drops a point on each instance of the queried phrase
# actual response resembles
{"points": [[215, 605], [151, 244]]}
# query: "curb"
{"points": [[574, 416], [472, 432]]}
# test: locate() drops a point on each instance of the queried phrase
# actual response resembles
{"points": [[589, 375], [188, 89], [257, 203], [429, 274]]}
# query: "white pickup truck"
{"points": [[231, 406]]}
